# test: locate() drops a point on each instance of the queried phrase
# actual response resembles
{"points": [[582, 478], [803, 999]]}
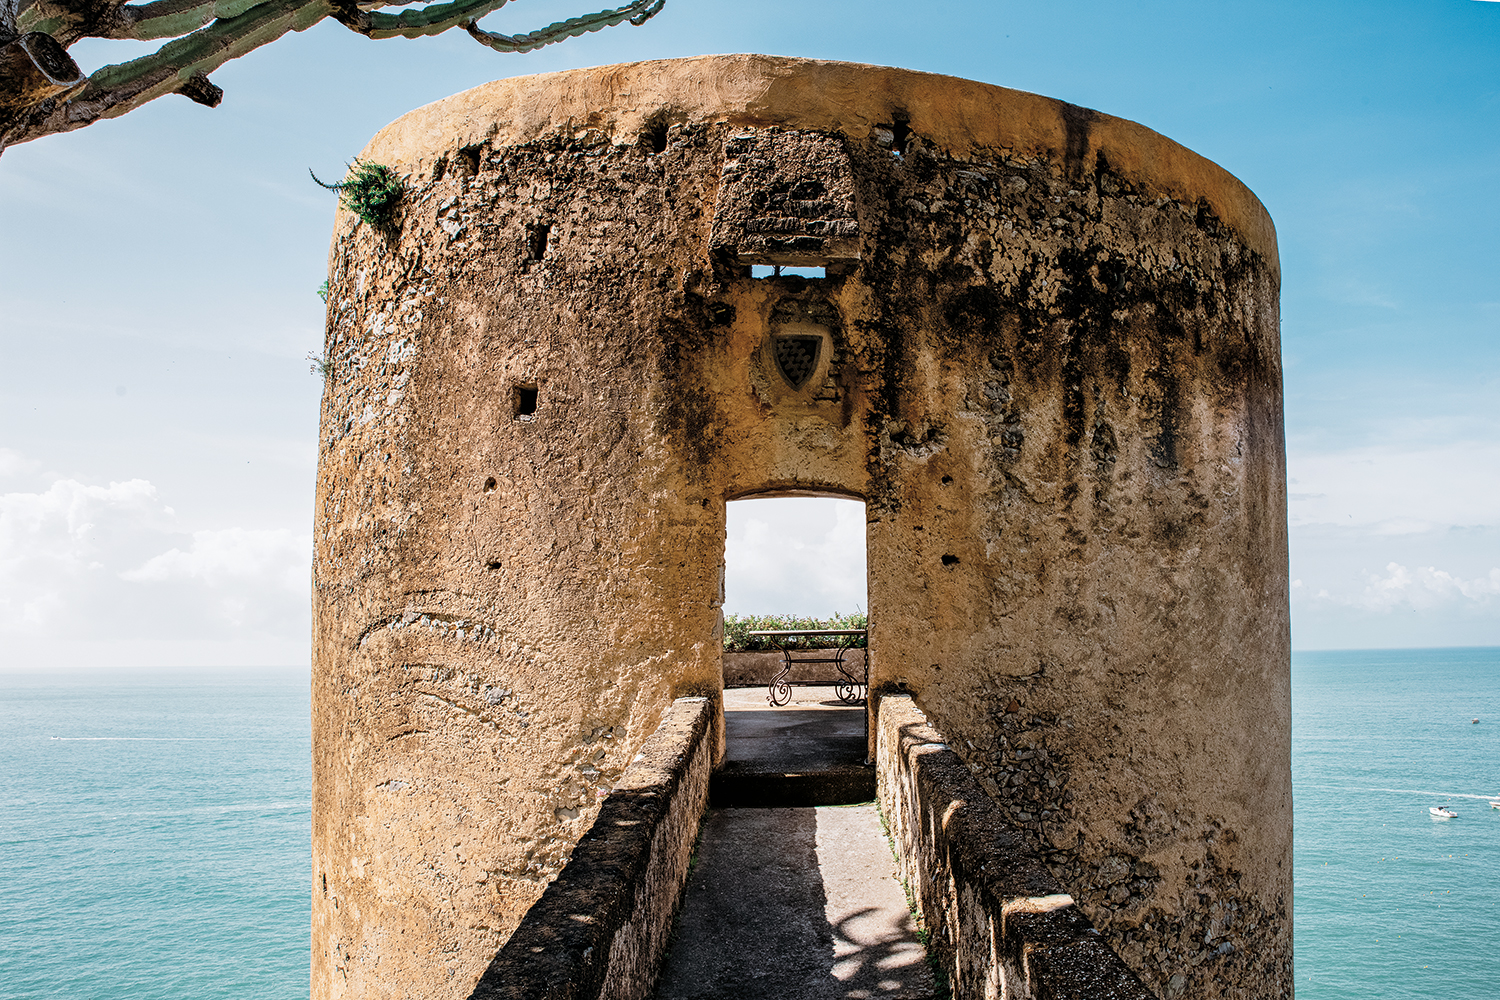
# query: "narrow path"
{"points": [[795, 903]]}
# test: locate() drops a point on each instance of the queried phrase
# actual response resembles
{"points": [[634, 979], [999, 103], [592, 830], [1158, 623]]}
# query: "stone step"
{"points": [[752, 789]]}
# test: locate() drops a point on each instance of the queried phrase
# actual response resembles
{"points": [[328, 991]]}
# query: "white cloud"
{"points": [[795, 556], [56, 546], [112, 567], [1425, 587], [217, 557], [1362, 587], [15, 467], [1397, 544]]}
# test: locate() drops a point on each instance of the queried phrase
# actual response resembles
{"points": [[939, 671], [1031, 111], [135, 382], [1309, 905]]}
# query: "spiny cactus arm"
{"points": [[207, 49], [435, 18], [636, 13], [173, 18], [65, 20], [430, 20], [69, 20], [44, 93], [180, 66]]}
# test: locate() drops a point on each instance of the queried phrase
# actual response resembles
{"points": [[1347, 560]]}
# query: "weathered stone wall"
{"points": [[1001, 923], [1045, 354], [602, 928]]}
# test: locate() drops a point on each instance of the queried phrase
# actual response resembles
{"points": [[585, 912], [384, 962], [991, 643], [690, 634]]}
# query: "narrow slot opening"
{"points": [[536, 240], [525, 402], [900, 133], [894, 136], [759, 271]]}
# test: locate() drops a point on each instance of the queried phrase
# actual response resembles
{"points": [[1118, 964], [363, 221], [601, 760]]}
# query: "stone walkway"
{"points": [[794, 903]]}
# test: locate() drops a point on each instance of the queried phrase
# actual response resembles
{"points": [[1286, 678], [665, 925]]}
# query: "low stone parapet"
{"points": [[601, 928], [1000, 922]]}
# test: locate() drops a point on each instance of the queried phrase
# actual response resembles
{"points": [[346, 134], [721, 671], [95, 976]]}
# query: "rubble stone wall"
{"points": [[1043, 349], [1000, 923], [601, 929]]}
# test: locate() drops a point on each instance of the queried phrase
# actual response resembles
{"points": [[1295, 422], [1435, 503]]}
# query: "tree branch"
{"points": [[636, 13]]}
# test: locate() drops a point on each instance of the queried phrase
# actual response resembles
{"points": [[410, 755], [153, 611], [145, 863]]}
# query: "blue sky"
{"points": [[157, 274]]}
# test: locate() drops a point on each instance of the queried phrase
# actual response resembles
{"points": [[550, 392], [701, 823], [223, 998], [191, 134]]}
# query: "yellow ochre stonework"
{"points": [[1046, 357]]}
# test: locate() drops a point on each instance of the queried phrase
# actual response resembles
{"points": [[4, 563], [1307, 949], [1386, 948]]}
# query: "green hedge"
{"points": [[737, 627]]}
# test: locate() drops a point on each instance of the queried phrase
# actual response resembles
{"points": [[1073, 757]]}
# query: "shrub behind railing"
{"points": [[738, 640]]}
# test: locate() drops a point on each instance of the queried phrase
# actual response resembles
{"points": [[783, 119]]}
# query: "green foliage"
{"points": [[321, 366], [737, 628], [369, 190], [323, 290]]}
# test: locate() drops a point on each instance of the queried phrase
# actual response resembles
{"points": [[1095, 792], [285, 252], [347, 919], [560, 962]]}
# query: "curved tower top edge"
{"points": [[966, 118]]}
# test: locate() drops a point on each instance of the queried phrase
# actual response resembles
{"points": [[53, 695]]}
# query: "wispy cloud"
{"points": [[1408, 488], [1396, 542]]}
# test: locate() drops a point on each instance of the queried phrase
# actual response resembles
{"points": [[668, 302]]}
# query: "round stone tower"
{"points": [[1039, 342]]}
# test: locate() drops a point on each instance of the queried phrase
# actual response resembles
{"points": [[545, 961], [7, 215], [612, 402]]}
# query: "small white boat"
{"points": [[1495, 803], [1442, 812]]}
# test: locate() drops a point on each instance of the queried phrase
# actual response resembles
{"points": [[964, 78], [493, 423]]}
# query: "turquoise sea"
{"points": [[154, 835], [154, 830], [1391, 902]]}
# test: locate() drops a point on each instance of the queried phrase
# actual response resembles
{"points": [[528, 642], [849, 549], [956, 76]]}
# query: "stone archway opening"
{"points": [[798, 555], [794, 562]]}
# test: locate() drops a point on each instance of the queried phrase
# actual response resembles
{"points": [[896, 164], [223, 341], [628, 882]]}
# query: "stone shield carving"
{"points": [[797, 357]]}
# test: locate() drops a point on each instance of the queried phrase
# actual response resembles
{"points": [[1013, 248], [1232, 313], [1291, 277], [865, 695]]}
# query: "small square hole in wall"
{"points": [[524, 399]]}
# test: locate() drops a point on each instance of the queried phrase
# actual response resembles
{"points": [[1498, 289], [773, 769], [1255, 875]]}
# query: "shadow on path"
{"points": [[794, 904]]}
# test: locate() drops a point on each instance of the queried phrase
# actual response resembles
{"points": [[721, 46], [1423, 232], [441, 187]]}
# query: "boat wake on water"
{"points": [[1428, 791], [153, 739]]}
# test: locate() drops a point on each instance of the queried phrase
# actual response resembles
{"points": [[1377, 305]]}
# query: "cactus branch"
{"points": [[636, 13], [42, 92], [429, 20], [171, 18]]}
